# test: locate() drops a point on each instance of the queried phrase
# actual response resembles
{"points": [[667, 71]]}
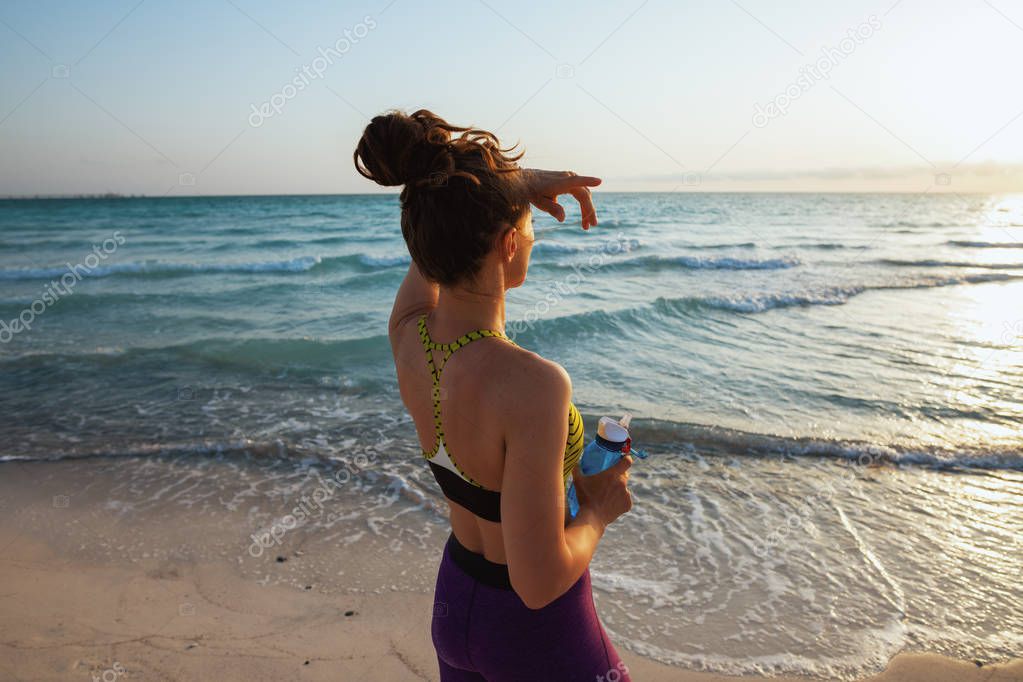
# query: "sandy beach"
{"points": [[96, 590]]}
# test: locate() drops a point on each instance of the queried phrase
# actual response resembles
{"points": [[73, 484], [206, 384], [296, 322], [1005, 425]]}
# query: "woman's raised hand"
{"points": [[545, 187]]}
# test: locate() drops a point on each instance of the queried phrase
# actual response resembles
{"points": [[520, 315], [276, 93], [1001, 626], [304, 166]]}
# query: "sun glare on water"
{"points": [[989, 325]]}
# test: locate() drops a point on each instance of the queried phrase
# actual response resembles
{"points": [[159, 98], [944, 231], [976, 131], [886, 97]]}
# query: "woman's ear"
{"points": [[509, 244]]}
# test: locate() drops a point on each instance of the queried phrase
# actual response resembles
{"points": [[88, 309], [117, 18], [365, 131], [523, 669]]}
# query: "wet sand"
{"points": [[94, 588]]}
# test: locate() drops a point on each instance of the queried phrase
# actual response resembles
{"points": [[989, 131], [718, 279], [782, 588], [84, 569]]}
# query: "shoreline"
{"points": [[163, 590], [62, 620]]}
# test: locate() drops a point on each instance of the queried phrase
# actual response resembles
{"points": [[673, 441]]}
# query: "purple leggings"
{"points": [[484, 633]]}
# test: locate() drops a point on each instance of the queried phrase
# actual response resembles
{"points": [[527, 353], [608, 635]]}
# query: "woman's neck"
{"points": [[479, 305]]}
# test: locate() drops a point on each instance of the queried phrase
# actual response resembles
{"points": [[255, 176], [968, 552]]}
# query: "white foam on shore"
{"points": [[876, 647]]}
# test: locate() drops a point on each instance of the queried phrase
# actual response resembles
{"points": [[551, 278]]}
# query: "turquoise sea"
{"points": [[830, 388]]}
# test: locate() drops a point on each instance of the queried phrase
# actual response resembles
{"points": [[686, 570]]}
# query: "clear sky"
{"points": [[157, 97]]}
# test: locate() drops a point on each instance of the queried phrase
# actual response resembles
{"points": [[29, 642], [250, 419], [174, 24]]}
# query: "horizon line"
{"points": [[118, 196]]}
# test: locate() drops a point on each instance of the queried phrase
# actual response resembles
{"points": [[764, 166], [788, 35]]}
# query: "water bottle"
{"points": [[611, 442]]}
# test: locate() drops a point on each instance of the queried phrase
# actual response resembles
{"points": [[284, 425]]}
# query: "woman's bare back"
{"points": [[474, 398]]}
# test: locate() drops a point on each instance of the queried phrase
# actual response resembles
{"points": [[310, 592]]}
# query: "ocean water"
{"points": [[830, 388]]}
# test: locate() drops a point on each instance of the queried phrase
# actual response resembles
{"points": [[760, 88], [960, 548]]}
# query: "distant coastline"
{"points": [[105, 195]]}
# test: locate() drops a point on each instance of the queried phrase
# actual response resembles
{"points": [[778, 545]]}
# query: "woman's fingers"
{"points": [[569, 181], [549, 205], [549, 184], [585, 199], [579, 187], [557, 182]]}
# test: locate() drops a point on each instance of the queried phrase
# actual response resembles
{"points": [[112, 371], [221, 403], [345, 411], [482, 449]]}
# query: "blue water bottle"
{"points": [[611, 442]]}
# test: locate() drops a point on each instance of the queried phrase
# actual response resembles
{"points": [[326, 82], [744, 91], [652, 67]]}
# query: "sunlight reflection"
{"points": [[987, 378]]}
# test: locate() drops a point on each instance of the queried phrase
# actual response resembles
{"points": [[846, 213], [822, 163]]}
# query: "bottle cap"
{"points": [[610, 429]]}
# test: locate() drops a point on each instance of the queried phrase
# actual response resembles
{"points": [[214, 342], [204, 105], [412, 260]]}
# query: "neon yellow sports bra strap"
{"points": [[428, 346], [447, 348]]}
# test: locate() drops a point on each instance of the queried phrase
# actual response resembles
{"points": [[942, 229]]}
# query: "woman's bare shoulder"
{"points": [[525, 375], [406, 326]]}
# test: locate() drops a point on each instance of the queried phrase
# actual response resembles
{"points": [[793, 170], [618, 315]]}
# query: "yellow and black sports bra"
{"points": [[457, 485]]}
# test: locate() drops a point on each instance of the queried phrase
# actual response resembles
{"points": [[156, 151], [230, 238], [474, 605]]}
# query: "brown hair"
{"points": [[459, 192]]}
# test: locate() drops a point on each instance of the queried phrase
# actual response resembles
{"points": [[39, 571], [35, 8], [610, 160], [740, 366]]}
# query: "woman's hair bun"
{"points": [[461, 189], [402, 149]]}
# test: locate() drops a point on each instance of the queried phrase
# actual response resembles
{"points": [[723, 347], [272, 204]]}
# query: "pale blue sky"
{"points": [[655, 95]]}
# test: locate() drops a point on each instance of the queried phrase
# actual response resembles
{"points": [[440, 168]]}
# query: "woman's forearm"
{"points": [[582, 535]]}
